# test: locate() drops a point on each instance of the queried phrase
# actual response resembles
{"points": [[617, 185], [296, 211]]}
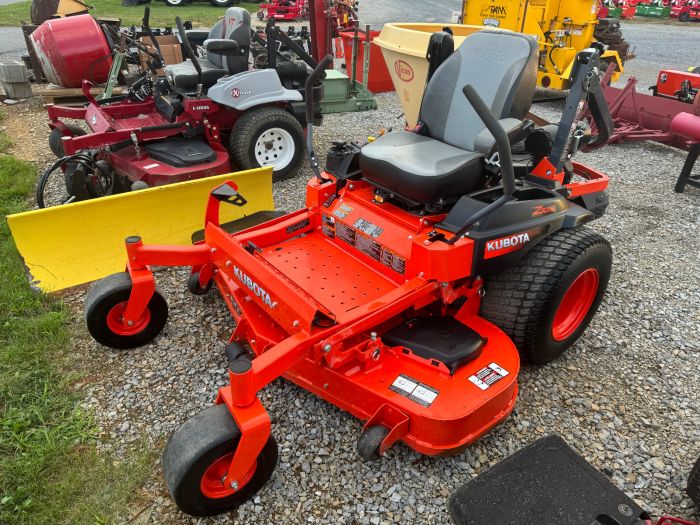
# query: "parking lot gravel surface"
{"points": [[626, 396]]}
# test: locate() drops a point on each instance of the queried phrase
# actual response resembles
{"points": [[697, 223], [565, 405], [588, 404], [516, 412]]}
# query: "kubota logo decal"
{"points": [[504, 245], [254, 287], [403, 70]]}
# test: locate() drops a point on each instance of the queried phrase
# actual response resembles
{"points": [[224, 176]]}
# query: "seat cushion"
{"points": [[184, 74], [420, 168]]}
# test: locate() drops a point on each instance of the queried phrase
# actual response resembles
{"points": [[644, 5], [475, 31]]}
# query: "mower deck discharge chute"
{"points": [[424, 265]]}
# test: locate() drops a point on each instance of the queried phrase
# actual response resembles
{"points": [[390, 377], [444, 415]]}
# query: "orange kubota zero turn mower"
{"points": [[423, 266]]}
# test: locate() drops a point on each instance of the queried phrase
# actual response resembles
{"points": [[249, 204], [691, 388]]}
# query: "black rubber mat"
{"points": [[545, 483]]}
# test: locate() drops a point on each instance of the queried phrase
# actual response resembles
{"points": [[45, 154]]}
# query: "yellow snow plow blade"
{"points": [[77, 243]]}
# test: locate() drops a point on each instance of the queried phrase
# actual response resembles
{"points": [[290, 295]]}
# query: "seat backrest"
{"points": [[234, 26], [502, 67]]}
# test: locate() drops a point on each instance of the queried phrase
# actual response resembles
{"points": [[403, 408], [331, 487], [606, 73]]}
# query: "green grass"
{"points": [[201, 13], [50, 469]]}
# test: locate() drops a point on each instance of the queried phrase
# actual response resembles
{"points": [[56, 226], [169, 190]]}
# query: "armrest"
{"points": [[486, 144], [222, 46], [197, 36]]}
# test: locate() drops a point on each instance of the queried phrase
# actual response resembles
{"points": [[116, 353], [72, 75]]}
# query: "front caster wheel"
{"points": [[370, 441], [195, 287], [197, 458], [104, 311]]}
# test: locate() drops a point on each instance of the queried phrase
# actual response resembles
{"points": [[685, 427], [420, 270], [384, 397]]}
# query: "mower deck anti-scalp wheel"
{"points": [[693, 488], [56, 139], [268, 137], [370, 441], [195, 287], [196, 460], [546, 302], [104, 311]]}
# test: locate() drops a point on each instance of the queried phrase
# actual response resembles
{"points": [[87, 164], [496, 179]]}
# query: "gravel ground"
{"points": [[625, 396]]}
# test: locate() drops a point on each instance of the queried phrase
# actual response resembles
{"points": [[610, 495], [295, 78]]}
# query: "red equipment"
{"points": [[371, 295], [71, 49], [284, 10], [379, 77], [179, 130], [686, 10], [681, 85], [640, 117], [688, 126]]}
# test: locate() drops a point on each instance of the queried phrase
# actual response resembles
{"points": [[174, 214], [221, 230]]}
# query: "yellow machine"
{"points": [[562, 28]]}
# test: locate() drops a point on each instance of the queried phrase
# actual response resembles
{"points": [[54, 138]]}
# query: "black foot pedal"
{"points": [[438, 338]]}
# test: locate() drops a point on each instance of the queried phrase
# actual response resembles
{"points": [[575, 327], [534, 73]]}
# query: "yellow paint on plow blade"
{"points": [[80, 242]]}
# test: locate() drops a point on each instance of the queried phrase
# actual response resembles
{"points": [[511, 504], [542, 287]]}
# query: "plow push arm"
{"points": [[585, 86]]}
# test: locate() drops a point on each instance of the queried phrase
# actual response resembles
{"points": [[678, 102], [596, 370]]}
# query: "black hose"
{"points": [[78, 158]]}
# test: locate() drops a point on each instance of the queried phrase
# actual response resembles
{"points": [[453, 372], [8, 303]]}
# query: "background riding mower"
{"points": [[182, 130], [423, 266]]}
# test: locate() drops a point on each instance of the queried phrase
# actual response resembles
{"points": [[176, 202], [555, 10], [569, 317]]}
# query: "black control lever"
{"points": [[318, 72], [189, 53], [504, 155]]}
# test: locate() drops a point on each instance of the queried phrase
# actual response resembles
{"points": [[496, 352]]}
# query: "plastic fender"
{"points": [[252, 88], [77, 243]]}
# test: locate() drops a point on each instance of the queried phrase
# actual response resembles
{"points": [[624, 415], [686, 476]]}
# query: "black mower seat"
{"points": [[445, 159], [234, 26], [184, 75], [424, 169]]}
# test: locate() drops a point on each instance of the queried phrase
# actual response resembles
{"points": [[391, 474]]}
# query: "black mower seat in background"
{"points": [[234, 26], [184, 75], [444, 160]]}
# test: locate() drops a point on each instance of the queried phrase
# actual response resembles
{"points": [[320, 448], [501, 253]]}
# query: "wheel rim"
{"points": [[274, 147], [212, 484], [575, 304], [115, 320], [174, 2]]}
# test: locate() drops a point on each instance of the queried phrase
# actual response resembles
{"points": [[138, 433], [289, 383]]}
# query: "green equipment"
{"points": [[342, 94]]}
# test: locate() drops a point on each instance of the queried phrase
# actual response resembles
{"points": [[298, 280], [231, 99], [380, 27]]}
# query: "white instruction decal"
{"points": [[414, 390], [489, 375]]}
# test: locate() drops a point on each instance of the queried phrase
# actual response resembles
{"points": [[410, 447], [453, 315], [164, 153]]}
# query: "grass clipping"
{"points": [[50, 468]]}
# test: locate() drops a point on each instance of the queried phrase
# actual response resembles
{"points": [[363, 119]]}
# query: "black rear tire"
{"points": [[693, 489], [111, 292], [523, 300], [195, 446], [684, 17], [252, 125], [56, 142]]}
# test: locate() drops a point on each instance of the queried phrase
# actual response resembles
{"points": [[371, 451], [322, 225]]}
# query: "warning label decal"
{"points": [[363, 240], [489, 375], [414, 390]]}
